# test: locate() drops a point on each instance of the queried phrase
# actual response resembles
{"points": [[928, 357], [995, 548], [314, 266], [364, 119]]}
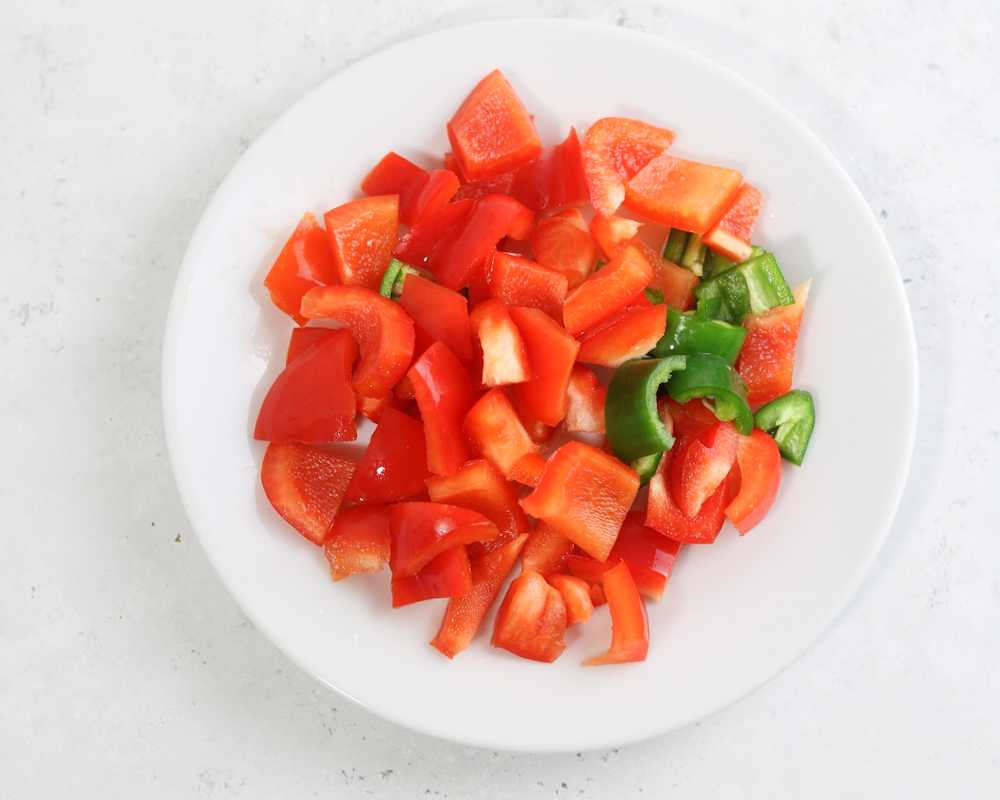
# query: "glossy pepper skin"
{"points": [[420, 531], [710, 376], [688, 334], [752, 287], [444, 396], [629, 624], [790, 419], [305, 261], [631, 416]]}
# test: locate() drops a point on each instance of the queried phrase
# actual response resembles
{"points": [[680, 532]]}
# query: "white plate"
{"points": [[735, 613]]}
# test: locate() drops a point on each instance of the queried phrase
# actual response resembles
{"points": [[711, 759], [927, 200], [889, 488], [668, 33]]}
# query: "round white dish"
{"points": [[734, 614]]}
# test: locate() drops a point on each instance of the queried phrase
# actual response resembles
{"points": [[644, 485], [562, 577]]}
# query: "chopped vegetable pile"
{"points": [[531, 363]]}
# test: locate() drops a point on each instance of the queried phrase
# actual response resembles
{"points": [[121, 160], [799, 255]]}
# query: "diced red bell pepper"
{"points": [[531, 622], [539, 432], [420, 531], [492, 132], [760, 475], [607, 291], [576, 595], [312, 400], [374, 407], [358, 541], [439, 314], [767, 359], [457, 260], [428, 196], [392, 175], [584, 494], [444, 396], [478, 486], [585, 396], [394, 465], [305, 485], [473, 190], [448, 574], [553, 180], [416, 245], [562, 242], [732, 234], [631, 334], [629, 624], [304, 338], [305, 261], [691, 419], [700, 465], [675, 283], [465, 614], [682, 194], [517, 281], [650, 555], [551, 354], [663, 515], [363, 234], [383, 331], [528, 469], [615, 149], [494, 430], [613, 233], [546, 551], [505, 358]]}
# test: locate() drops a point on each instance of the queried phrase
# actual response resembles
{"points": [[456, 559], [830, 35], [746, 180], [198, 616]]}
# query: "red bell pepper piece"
{"points": [[607, 291], [585, 396], [394, 465], [363, 234], [553, 180], [546, 551], [551, 354], [358, 541], [675, 283], [421, 193], [528, 469], [505, 358], [629, 625], [691, 419], [374, 407], [465, 614], [615, 149], [584, 494], [439, 314], [682, 194], [305, 261], [383, 331], [457, 260], [492, 132], [576, 595], [420, 531], [732, 234], [531, 622], [311, 400], [305, 485], [494, 430], [444, 396], [613, 233], [479, 487], [650, 555], [304, 338], [517, 281], [663, 515], [631, 334], [562, 242], [700, 465], [760, 475], [416, 245], [448, 574], [767, 359], [473, 190]]}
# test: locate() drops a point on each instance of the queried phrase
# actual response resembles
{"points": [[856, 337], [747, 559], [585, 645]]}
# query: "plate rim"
{"points": [[895, 488]]}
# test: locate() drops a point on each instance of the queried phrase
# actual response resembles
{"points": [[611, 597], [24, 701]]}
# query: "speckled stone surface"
{"points": [[126, 669]]}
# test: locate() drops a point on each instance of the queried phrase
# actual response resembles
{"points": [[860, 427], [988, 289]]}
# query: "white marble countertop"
{"points": [[126, 669]]}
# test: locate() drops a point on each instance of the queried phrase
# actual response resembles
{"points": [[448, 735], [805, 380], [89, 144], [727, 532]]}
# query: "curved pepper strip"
{"points": [[631, 418], [689, 334], [710, 376], [790, 420]]}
